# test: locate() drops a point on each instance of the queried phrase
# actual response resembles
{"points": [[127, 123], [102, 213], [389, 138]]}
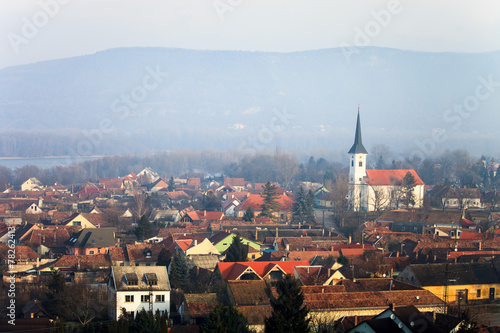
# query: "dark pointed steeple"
{"points": [[357, 147]]}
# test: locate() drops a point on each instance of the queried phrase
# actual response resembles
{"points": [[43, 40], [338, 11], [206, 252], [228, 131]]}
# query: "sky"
{"points": [[33, 31]]}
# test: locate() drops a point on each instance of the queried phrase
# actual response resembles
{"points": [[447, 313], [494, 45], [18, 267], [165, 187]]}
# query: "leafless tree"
{"points": [[380, 199], [287, 168], [140, 206], [339, 194]]}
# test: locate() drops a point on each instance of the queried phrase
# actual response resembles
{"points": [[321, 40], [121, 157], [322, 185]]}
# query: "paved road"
{"points": [[327, 216]]}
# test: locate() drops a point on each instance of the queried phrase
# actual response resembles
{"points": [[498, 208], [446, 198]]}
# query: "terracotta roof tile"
{"points": [[390, 177]]}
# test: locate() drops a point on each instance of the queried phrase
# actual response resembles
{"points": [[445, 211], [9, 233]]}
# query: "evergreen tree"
{"points": [[171, 184], [225, 319], [303, 208], [179, 273], [249, 215], [289, 311], [237, 251], [270, 204], [164, 257], [407, 185], [143, 230], [342, 260]]}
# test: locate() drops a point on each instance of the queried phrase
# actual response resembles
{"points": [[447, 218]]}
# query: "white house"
{"points": [[31, 184], [33, 209], [372, 190], [134, 288]]}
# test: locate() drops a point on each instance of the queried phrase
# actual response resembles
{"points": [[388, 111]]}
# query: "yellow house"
{"points": [[455, 283], [79, 219]]}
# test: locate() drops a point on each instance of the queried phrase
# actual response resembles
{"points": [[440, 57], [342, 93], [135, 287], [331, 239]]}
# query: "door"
{"points": [[492, 293]]}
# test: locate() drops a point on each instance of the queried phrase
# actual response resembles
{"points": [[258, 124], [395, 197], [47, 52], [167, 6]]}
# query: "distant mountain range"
{"points": [[132, 100]]}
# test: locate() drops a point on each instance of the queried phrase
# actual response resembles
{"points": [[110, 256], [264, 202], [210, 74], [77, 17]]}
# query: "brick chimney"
{"points": [[276, 231], [393, 306]]}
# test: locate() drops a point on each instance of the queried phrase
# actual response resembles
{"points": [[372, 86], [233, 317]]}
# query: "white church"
{"points": [[372, 190]]}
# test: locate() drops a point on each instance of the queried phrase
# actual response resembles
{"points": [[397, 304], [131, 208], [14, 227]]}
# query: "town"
{"points": [[312, 248]]}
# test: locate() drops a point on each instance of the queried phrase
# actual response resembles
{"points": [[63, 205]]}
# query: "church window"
{"points": [[352, 163], [360, 163], [360, 179]]}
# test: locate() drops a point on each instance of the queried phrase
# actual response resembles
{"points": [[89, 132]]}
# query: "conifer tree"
{"points": [[143, 230], [289, 311], [225, 319], [270, 204], [249, 215], [179, 273], [171, 184], [407, 185], [237, 251]]}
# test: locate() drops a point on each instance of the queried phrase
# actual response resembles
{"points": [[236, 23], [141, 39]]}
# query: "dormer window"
{"points": [[151, 279], [131, 278], [147, 253]]}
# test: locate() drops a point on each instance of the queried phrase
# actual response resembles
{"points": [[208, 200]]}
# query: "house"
{"points": [[229, 205], [32, 184], [239, 184], [453, 282], [136, 288], [49, 241], [365, 297], [205, 247], [462, 198], [143, 254], [399, 319], [252, 300], [91, 241], [222, 240], [255, 201], [33, 209], [317, 275], [377, 189], [196, 307], [147, 176], [258, 270], [35, 309], [200, 215], [80, 220], [165, 215]]}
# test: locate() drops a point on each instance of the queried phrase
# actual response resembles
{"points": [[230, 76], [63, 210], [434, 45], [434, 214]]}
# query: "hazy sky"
{"points": [[46, 29]]}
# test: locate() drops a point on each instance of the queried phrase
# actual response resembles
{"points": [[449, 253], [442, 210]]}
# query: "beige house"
{"points": [[205, 247], [31, 184]]}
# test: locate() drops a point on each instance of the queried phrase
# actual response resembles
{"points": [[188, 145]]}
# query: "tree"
{"points": [[249, 215], [225, 319], [270, 204], [237, 251], [380, 199], [179, 273], [140, 205], [171, 184], [342, 260], [407, 185], [303, 208], [143, 230], [289, 311], [339, 194]]}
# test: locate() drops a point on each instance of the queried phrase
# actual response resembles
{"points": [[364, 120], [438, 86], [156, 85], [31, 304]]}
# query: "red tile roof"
{"points": [[84, 261], [233, 270], [21, 252], [117, 253], [255, 201], [390, 177]]}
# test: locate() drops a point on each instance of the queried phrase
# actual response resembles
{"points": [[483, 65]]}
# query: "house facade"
{"points": [[136, 288]]}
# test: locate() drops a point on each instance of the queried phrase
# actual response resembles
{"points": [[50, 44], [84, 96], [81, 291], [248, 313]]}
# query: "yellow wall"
{"points": [[439, 291]]}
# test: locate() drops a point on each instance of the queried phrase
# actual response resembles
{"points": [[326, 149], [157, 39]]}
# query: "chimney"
{"points": [[276, 231], [37, 262], [204, 213], [299, 225], [322, 232], [195, 242], [393, 306], [397, 254], [256, 233], [350, 239], [480, 246], [392, 272], [355, 320]]}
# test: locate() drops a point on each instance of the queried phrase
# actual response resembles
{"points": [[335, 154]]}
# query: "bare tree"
{"points": [[380, 199], [140, 205], [339, 194], [287, 168]]}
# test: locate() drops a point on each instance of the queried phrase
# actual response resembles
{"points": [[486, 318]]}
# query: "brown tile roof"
{"points": [[117, 253], [310, 255], [368, 299], [402, 215], [200, 305], [50, 237], [21, 252], [249, 292], [135, 252], [255, 314], [255, 202], [85, 262]]}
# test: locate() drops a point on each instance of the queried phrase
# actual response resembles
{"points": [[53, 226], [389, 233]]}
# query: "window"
{"points": [[352, 163], [160, 298], [131, 283], [144, 298], [129, 298], [360, 163], [253, 256], [478, 293], [91, 252], [77, 223], [153, 283]]}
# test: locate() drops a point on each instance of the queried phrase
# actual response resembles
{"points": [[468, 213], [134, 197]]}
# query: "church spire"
{"points": [[357, 147]]}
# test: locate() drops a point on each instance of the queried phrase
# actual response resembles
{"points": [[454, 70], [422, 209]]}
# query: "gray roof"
{"points": [[119, 274], [93, 238], [455, 274], [205, 261], [357, 147]]}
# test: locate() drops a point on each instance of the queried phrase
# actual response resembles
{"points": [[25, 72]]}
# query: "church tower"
{"points": [[357, 171]]}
